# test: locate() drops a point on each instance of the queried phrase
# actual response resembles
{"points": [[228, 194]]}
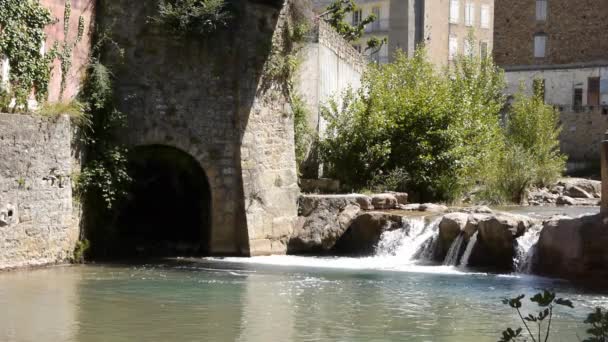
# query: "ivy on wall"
{"points": [[21, 39], [67, 48]]}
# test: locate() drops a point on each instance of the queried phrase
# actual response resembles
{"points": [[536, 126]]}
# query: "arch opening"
{"points": [[168, 210]]}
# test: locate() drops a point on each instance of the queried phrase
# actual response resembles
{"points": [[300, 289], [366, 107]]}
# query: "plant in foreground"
{"points": [[547, 301]]}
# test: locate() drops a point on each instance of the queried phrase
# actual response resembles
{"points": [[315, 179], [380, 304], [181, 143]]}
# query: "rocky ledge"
{"points": [[573, 248], [568, 191]]}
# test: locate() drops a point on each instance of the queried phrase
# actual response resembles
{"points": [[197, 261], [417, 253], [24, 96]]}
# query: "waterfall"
{"points": [[451, 258], [464, 262], [526, 250], [409, 242]]}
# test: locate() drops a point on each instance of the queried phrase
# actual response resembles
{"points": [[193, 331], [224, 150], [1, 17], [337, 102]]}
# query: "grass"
{"points": [[74, 109]]}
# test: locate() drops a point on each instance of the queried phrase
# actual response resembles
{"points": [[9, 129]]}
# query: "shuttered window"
{"points": [[541, 10], [485, 16], [454, 11], [469, 14], [540, 45], [453, 48]]}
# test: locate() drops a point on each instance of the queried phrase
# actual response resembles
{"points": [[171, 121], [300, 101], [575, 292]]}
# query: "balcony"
{"points": [[599, 109], [380, 25]]}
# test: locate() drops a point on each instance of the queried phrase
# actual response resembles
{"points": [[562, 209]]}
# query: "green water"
{"points": [[269, 299]]}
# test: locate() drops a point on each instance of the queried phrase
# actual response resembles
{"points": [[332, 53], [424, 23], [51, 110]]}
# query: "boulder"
{"points": [[310, 203], [364, 232], [401, 197], [573, 248], [384, 201], [409, 207], [322, 223], [565, 200], [450, 226], [495, 247], [592, 187], [577, 192]]}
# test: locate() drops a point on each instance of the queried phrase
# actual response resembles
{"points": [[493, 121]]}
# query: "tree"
{"points": [[336, 14]]}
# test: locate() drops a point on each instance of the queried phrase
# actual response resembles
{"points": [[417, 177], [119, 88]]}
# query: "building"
{"points": [[444, 26], [563, 46]]}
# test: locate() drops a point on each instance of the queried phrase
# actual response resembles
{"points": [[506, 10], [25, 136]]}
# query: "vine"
{"points": [[21, 39], [67, 48]]}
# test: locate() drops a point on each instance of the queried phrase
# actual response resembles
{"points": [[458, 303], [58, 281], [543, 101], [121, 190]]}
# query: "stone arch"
{"points": [[169, 210]]}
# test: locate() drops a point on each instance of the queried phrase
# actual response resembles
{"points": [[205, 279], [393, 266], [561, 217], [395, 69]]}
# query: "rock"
{"points": [[309, 203], [565, 200], [592, 187], [384, 201], [8, 215], [401, 197], [541, 196], [495, 246], [573, 248], [450, 226], [323, 222], [435, 208], [322, 185], [577, 192], [364, 233]]}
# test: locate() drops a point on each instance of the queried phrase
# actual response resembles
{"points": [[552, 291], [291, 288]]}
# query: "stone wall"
{"points": [[36, 223], [575, 32], [330, 65], [208, 96]]}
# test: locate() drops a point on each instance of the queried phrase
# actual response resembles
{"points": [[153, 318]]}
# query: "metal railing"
{"points": [[601, 109]]}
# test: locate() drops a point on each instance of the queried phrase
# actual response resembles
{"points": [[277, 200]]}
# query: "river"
{"points": [[387, 297]]}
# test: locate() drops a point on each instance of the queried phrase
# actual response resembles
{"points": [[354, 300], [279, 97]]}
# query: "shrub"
{"points": [[438, 128], [193, 17]]}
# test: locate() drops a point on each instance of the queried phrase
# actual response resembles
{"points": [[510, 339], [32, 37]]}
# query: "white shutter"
{"points": [[454, 10], [485, 16], [5, 69], [453, 48], [540, 43], [541, 10], [469, 13]]}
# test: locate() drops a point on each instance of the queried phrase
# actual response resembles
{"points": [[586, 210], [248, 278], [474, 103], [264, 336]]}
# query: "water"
{"points": [[259, 300], [451, 259], [391, 296], [467, 253]]}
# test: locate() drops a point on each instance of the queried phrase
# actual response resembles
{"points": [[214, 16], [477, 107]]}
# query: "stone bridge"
{"points": [[212, 145]]}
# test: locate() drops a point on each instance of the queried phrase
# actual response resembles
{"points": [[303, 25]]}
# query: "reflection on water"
{"points": [[207, 300]]}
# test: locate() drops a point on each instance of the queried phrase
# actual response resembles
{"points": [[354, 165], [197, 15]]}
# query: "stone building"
{"points": [[444, 26], [562, 46]]}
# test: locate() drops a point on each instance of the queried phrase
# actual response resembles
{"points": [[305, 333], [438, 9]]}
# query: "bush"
{"points": [[193, 17], [438, 128]]}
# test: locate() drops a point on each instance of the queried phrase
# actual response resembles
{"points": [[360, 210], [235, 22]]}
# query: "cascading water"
{"points": [[407, 242], [464, 262], [526, 250], [451, 259]]}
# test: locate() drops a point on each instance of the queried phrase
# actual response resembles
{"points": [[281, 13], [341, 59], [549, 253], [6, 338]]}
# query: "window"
{"points": [[540, 45], [453, 48], [454, 10], [357, 17], [469, 14], [577, 102], [468, 47], [541, 10], [593, 91], [485, 16], [539, 88], [376, 23], [483, 49]]}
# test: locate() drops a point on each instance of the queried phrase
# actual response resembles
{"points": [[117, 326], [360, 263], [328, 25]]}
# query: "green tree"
{"points": [[192, 17], [336, 14]]}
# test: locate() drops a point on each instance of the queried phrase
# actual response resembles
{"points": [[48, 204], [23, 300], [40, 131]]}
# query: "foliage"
{"points": [[192, 17], [546, 301], [82, 247], [23, 24], [534, 125], [335, 16], [74, 109], [105, 171], [598, 320], [65, 52], [439, 129], [395, 180], [304, 135]]}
